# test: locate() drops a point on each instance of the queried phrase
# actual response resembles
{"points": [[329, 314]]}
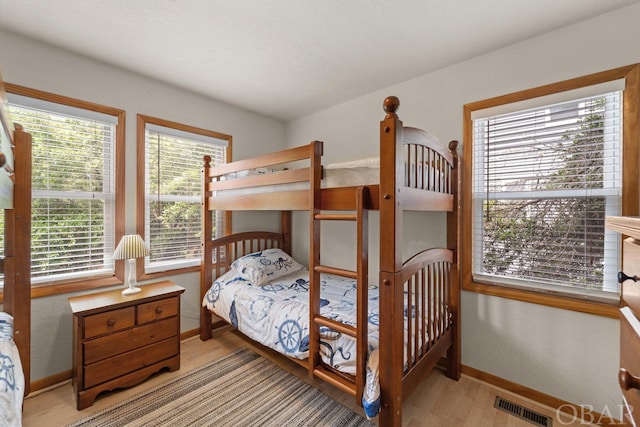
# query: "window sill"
{"points": [[56, 288], [155, 275], [556, 301]]}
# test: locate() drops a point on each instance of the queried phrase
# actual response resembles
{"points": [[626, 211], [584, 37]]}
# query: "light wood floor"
{"points": [[438, 401]]}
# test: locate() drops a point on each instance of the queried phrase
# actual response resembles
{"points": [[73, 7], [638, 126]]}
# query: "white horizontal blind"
{"points": [[173, 191], [544, 180], [73, 207]]}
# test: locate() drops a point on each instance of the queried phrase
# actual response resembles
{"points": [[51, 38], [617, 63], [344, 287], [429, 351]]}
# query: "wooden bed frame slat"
{"points": [[415, 136], [273, 178], [264, 161]]}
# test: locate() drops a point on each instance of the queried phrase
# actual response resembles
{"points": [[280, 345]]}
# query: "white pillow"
{"points": [[264, 266]]}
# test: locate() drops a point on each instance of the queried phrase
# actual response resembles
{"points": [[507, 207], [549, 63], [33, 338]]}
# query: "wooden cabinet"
{"points": [[629, 374], [119, 341]]}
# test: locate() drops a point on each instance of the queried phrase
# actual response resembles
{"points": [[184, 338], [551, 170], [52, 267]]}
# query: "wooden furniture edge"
{"points": [[87, 397], [627, 225]]}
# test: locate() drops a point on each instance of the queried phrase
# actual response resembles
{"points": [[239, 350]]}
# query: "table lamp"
{"points": [[131, 247]]}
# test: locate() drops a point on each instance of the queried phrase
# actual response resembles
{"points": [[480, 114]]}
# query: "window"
{"points": [[545, 171], [544, 179], [172, 162], [74, 207]]}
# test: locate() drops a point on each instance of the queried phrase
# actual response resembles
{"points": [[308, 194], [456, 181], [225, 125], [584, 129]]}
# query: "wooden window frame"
{"points": [[89, 282], [630, 197], [142, 121]]}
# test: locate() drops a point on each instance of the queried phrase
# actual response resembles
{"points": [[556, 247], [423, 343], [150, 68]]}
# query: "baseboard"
{"points": [[49, 382], [189, 334], [542, 398]]}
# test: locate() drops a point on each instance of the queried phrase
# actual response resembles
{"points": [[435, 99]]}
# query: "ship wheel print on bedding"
{"points": [[254, 308], [213, 294], [290, 337], [290, 334], [273, 287], [7, 374]]}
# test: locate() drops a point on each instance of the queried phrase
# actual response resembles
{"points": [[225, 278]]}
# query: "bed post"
{"points": [[207, 247], [17, 274], [315, 176], [391, 291], [454, 359]]}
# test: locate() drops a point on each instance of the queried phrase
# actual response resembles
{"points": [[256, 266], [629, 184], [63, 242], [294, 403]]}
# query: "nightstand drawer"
{"points": [[156, 310], [121, 342], [110, 321], [124, 363]]}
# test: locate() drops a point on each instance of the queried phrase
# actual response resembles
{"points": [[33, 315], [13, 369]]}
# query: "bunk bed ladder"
{"points": [[359, 331]]}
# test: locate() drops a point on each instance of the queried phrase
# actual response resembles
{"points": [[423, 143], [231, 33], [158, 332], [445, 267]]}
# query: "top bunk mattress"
{"points": [[344, 174], [354, 173]]}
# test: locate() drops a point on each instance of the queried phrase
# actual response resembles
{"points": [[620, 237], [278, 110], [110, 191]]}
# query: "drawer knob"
{"points": [[111, 322], [623, 277], [627, 380], [158, 310]]}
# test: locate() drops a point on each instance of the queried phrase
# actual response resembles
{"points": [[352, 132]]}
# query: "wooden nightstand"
{"points": [[119, 341]]}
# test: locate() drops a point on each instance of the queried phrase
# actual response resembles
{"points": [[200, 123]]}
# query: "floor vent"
{"points": [[523, 413]]}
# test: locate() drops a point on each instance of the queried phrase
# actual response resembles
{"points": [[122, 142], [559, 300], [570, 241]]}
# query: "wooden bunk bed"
{"points": [[15, 265], [416, 173]]}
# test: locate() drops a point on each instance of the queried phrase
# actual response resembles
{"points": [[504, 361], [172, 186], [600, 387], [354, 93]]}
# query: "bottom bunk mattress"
{"points": [[276, 314], [11, 375], [265, 295]]}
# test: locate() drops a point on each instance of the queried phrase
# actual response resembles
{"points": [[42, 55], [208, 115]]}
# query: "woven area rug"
{"points": [[242, 389]]}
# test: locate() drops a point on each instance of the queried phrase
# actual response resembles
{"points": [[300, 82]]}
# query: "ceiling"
{"points": [[289, 58]]}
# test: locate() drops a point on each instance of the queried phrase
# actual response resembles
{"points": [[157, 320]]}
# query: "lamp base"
{"points": [[131, 281], [131, 290]]}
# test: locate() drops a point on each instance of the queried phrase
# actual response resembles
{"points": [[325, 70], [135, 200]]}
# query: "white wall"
{"points": [[42, 67], [569, 355]]}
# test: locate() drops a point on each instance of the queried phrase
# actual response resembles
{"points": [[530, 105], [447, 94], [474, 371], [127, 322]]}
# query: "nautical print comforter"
{"points": [[276, 314], [11, 375]]}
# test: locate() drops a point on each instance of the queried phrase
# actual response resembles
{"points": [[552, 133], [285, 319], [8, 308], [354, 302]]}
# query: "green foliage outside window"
{"points": [[72, 200]]}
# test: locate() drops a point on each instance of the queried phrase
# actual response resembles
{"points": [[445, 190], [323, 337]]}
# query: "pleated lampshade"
{"points": [[131, 246]]}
